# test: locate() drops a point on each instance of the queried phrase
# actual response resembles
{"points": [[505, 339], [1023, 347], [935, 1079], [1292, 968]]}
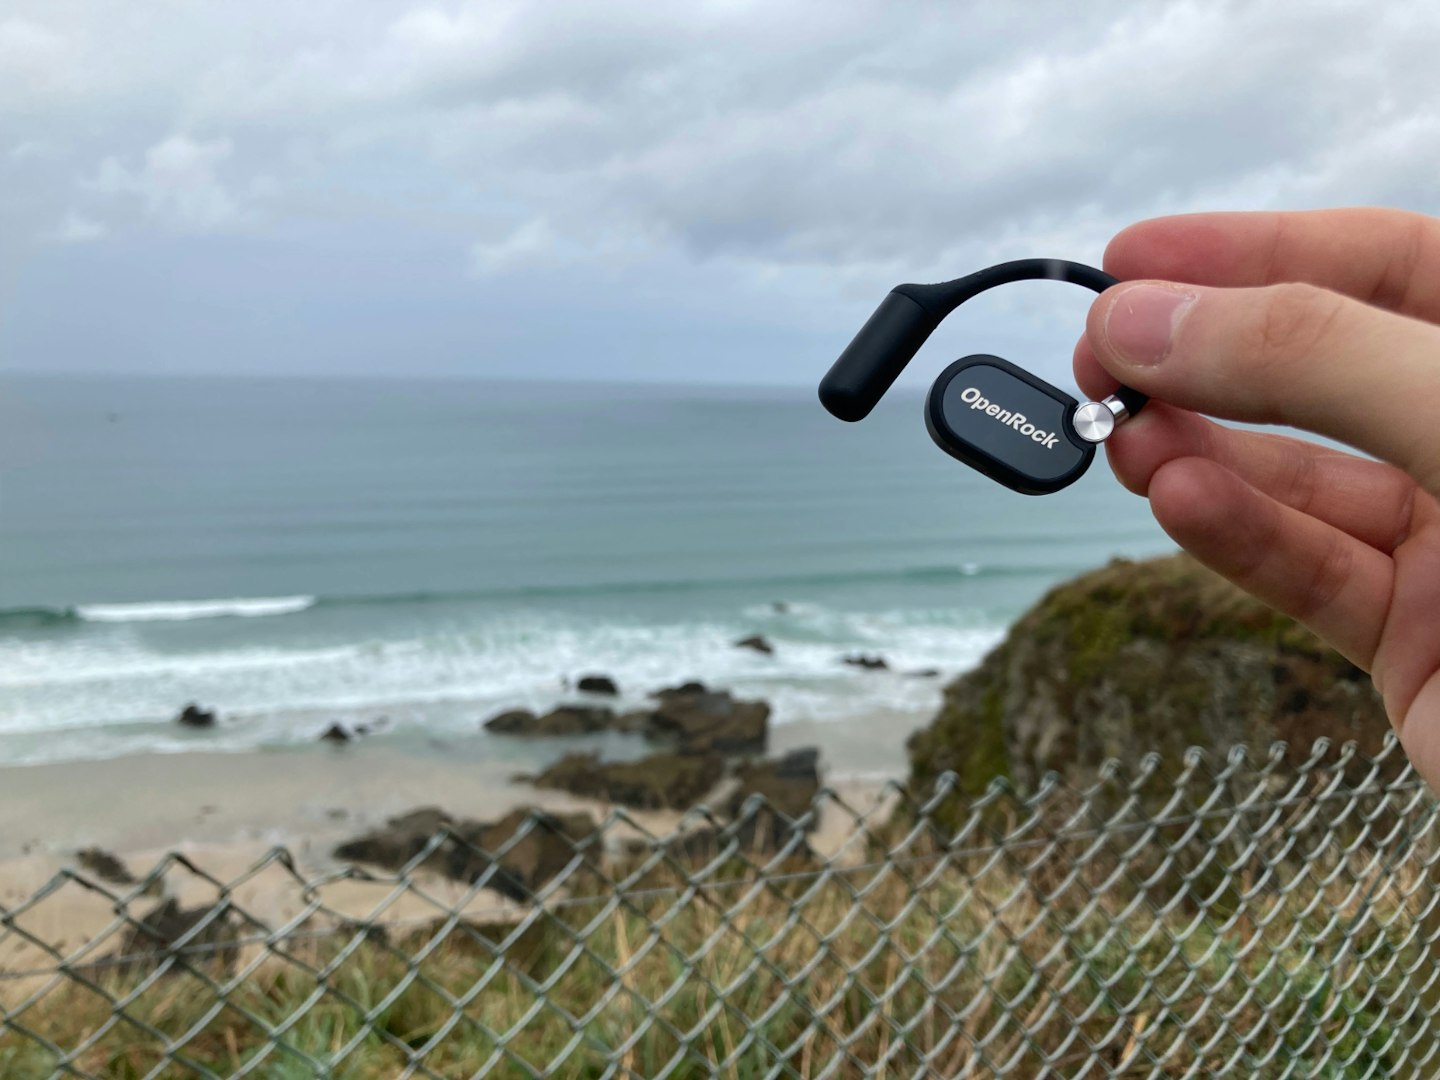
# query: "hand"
{"points": [[1324, 321]]}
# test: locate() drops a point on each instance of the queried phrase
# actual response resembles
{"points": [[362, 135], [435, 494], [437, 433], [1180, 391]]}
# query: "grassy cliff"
{"points": [[1139, 656]]}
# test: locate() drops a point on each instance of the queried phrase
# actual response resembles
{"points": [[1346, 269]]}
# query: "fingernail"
{"points": [[1143, 320]]}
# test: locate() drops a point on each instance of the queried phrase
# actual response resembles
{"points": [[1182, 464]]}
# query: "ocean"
{"points": [[420, 554]]}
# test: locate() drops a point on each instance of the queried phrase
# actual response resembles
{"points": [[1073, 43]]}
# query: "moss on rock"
{"points": [[1138, 656]]}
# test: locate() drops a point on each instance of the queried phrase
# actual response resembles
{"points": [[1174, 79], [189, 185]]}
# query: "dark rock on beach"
{"points": [[863, 660], [105, 866], [665, 781], [756, 642], [683, 690], [787, 788], [527, 849], [336, 735], [701, 721], [511, 722], [192, 716], [575, 720], [689, 717], [803, 763], [564, 720], [1139, 656], [398, 841], [466, 849], [597, 684], [789, 784]]}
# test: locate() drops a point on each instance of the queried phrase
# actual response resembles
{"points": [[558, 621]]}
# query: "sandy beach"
{"points": [[223, 814], [305, 798]]}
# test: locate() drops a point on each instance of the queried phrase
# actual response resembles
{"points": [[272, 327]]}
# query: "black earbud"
{"points": [[998, 418]]}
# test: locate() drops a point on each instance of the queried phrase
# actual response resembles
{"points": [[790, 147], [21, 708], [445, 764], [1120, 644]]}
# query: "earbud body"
{"points": [[1008, 424]]}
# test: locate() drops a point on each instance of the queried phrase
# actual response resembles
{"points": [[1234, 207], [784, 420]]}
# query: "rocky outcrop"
{"points": [[666, 781], [336, 735], [703, 721], [665, 693], [789, 784], [564, 720], [691, 718], [193, 716], [399, 840], [527, 848], [788, 787], [597, 684], [1139, 656], [756, 643], [575, 720], [865, 661], [511, 722]]}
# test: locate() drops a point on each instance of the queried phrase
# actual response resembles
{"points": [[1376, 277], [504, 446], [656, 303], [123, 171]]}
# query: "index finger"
{"points": [[1388, 258]]}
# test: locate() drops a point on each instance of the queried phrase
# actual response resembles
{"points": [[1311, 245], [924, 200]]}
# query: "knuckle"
{"points": [[1329, 575], [1293, 321], [1301, 486]]}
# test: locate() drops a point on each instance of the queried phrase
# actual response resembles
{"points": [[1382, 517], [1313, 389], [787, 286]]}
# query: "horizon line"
{"points": [[280, 376]]}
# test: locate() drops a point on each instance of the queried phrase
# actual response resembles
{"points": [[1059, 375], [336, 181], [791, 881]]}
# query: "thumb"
{"points": [[1287, 354]]}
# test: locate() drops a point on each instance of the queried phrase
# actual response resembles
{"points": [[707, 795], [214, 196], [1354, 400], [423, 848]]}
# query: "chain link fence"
{"points": [[1208, 917]]}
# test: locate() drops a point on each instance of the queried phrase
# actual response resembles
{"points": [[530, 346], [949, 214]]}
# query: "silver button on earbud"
{"points": [[1095, 420]]}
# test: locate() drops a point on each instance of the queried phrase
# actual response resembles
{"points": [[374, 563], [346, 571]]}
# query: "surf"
{"points": [[186, 610]]}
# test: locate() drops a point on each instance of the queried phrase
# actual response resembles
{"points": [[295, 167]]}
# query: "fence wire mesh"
{"points": [[1270, 918]]}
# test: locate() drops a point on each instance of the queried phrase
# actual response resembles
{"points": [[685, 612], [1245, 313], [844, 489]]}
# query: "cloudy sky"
{"points": [[713, 191]]}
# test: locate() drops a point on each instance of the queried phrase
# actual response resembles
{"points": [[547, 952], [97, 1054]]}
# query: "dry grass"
{"points": [[878, 973]]}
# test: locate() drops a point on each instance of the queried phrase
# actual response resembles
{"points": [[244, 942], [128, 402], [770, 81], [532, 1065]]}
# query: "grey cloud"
{"points": [[77, 229], [784, 158], [179, 182]]}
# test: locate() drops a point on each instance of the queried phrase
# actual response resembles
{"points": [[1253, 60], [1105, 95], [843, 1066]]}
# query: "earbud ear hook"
{"points": [[908, 316], [1030, 411]]}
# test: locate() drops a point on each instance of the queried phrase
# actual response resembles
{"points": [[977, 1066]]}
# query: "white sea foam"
{"points": [[57, 664], [184, 610], [103, 695]]}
